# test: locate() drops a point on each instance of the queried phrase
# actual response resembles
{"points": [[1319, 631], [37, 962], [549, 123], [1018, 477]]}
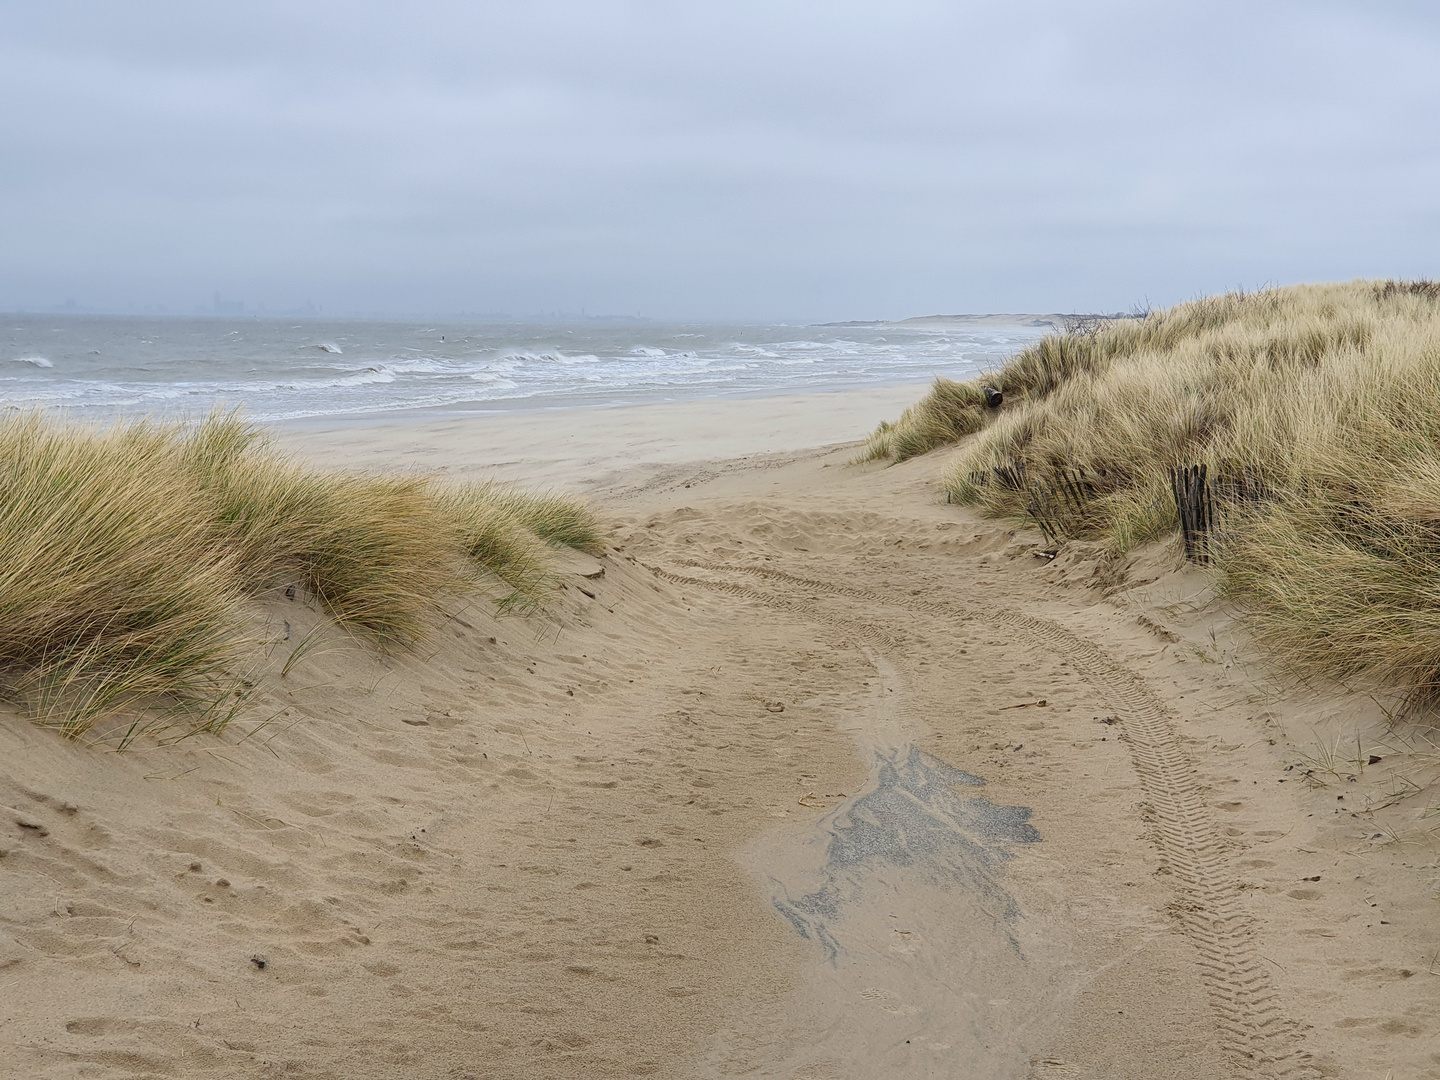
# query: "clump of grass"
{"points": [[132, 551], [111, 586], [374, 550], [949, 412], [509, 530], [495, 537], [556, 519], [1314, 408]]}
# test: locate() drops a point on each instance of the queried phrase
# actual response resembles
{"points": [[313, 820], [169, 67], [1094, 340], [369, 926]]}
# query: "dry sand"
{"points": [[810, 776]]}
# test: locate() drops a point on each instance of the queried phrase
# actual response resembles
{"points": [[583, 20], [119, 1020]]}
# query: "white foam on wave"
{"points": [[168, 391], [369, 376], [38, 361], [329, 346], [556, 357], [416, 365]]}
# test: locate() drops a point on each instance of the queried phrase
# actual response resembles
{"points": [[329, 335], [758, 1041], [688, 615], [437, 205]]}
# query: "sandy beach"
{"points": [[809, 775]]}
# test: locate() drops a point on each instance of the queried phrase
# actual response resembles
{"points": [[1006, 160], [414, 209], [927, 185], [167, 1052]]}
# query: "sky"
{"points": [[765, 161]]}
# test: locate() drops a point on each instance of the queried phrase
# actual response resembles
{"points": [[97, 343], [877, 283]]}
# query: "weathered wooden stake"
{"points": [[1192, 500]]}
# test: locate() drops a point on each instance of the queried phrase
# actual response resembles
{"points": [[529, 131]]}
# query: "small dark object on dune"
{"points": [[259, 961], [993, 397]]}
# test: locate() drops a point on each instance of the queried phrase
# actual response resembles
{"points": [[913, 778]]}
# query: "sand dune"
{"points": [[811, 776]]}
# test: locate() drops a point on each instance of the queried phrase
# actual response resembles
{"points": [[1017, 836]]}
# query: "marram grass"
{"points": [[132, 552], [1317, 411]]}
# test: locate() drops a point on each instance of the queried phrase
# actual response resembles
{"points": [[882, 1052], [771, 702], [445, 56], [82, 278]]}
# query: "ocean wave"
{"points": [[267, 372], [493, 379], [555, 357], [365, 377], [811, 344], [582, 358], [422, 365]]}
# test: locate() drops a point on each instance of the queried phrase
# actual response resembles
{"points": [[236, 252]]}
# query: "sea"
{"points": [[105, 367]]}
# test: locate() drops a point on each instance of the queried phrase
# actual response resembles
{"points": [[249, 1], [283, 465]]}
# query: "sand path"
{"points": [[772, 792]]}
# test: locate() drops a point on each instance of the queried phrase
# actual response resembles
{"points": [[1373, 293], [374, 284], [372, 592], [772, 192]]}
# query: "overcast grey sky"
{"points": [[756, 161]]}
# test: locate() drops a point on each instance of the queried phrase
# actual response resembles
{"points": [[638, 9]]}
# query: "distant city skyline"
{"points": [[748, 162]]}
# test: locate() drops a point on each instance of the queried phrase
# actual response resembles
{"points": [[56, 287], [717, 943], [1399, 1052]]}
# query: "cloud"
{"points": [[748, 160]]}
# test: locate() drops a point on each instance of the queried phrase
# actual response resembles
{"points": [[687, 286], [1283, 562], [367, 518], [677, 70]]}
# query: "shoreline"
{"points": [[528, 406]]}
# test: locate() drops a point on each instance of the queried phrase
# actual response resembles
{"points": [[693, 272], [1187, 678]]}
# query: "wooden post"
{"points": [[1192, 501]]}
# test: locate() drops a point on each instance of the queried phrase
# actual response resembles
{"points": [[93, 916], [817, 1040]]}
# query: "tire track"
{"points": [[1263, 1041]]}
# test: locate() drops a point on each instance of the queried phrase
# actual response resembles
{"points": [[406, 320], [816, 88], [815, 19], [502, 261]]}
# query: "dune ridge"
{"points": [[1312, 409]]}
